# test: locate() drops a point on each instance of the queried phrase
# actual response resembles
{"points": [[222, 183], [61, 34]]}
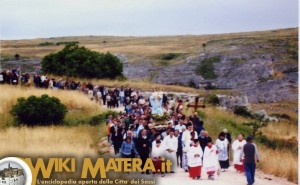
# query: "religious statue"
{"points": [[156, 100]]}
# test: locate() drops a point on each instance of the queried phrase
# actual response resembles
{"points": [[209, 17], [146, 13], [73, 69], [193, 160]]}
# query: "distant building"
{"points": [[12, 176]]}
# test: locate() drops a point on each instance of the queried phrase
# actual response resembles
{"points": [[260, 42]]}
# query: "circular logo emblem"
{"points": [[15, 171]]}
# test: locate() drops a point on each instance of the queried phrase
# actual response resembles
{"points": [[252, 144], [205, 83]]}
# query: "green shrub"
{"points": [[283, 116], [255, 126], [17, 56], [212, 99], [163, 117], [75, 61], [201, 114], [192, 84], [290, 144], [42, 110], [242, 111], [206, 68], [169, 56], [67, 43], [46, 44], [101, 118]]}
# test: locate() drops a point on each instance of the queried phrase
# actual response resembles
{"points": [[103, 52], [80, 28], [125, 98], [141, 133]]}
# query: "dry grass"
{"points": [[280, 163], [78, 104], [281, 130], [146, 46], [48, 141]]}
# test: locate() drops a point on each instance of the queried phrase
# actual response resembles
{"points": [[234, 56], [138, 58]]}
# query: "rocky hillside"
{"points": [[261, 65], [263, 68]]}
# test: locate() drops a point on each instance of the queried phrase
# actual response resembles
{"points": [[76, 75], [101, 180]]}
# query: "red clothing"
{"points": [[195, 171]]}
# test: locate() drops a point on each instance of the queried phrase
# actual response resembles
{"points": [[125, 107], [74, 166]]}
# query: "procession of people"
{"points": [[134, 132]]}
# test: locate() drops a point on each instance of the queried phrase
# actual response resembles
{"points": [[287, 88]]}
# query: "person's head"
{"points": [[144, 122], [168, 130], [129, 134], [176, 133], [249, 139], [196, 142], [110, 117], [189, 127], [153, 130], [171, 132], [128, 139], [116, 122], [209, 142], [157, 136], [204, 133], [131, 128], [157, 143], [241, 136], [144, 132], [222, 136], [183, 128]]}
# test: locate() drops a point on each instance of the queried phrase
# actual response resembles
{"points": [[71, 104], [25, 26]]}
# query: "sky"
{"points": [[12, 164], [26, 19]]}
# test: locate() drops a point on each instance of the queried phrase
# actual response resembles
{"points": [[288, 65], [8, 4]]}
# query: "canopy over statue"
{"points": [[156, 100]]}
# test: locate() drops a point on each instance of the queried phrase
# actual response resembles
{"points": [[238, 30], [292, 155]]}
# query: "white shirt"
{"points": [[223, 149], [210, 159], [237, 151], [192, 160], [122, 94], [171, 143], [157, 151], [186, 136], [179, 127]]}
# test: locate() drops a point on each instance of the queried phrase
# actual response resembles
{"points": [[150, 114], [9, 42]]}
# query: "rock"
{"points": [[265, 117], [231, 101]]}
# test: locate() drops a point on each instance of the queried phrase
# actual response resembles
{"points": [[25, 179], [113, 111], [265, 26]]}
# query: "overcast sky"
{"points": [[24, 19], [12, 164]]}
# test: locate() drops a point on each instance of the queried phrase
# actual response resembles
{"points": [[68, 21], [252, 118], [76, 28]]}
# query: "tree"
{"points": [[75, 61], [17, 56], [42, 110], [204, 46], [255, 126], [212, 99]]}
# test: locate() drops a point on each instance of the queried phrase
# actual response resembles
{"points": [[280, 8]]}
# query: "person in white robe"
{"points": [[195, 154], [158, 152], [171, 145], [210, 159], [222, 144], [237, 147], [187, 136]]}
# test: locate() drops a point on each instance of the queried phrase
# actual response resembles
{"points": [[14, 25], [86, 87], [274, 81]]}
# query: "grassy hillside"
{"points": [[155, 49]]}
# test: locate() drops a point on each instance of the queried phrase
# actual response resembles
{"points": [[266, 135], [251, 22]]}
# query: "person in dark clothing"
{"points": [[179, 150], [250, 154], [203, 139], [116, 136], [143, 148], [198, 123], [227, 135], [104, 94]]}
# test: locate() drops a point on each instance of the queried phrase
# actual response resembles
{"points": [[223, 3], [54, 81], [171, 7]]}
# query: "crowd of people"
{"points": [[134, 133], [183, 140]]}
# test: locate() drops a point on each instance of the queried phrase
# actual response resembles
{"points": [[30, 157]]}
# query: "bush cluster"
{"points": [[75, 61], [42, 111]]}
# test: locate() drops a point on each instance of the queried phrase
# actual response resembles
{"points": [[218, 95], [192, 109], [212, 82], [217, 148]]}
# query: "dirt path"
{"points": [[230, 177]]}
